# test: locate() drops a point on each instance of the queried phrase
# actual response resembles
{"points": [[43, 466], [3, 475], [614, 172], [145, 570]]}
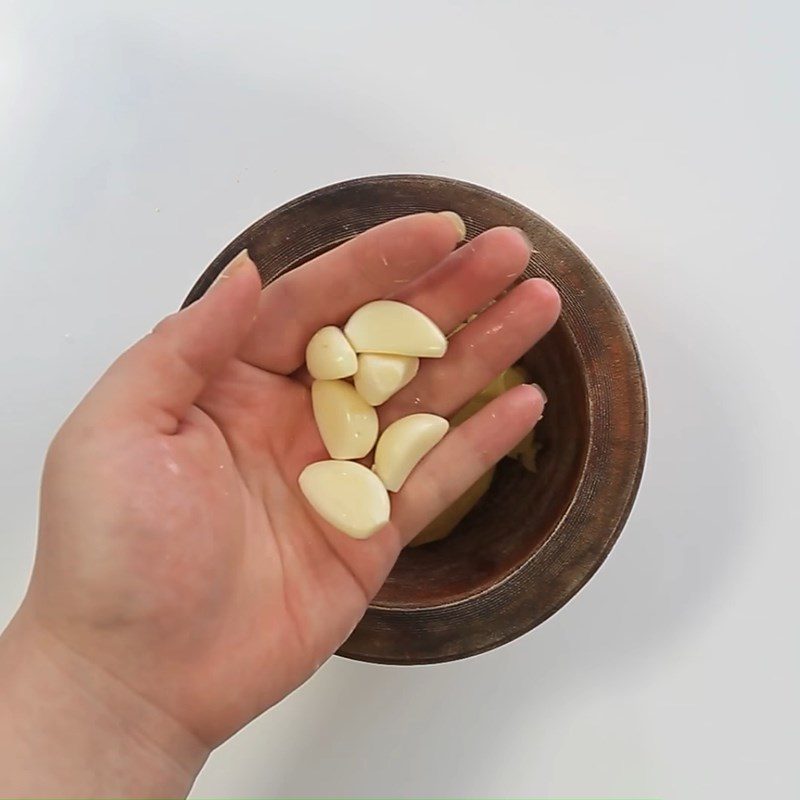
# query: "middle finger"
{"points": [[495, 340]]}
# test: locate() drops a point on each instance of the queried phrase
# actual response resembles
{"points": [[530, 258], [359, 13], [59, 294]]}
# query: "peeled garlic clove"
{"points": [[403, 445], [386, 326], [347, 423], [379, 375], [330, 356], [514, 376], [496, 387], [347, 495]]}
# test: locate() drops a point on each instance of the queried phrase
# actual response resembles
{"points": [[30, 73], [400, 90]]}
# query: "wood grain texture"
{"points": [[535, 539]]}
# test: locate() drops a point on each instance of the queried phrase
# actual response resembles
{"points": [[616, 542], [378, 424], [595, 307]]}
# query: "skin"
{"points": [[182, 584]]}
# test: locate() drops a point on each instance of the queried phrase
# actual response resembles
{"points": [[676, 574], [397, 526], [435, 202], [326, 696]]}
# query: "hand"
{"points": [[178, 564]]}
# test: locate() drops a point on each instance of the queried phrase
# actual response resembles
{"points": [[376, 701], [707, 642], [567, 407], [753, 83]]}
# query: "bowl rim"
{"points": [[539, 586]]}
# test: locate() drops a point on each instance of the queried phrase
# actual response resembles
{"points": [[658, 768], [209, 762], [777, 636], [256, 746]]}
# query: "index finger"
{"points": [[327, 289]]}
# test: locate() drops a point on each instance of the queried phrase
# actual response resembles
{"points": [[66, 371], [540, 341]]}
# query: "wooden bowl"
{"points": [[535, 538]]}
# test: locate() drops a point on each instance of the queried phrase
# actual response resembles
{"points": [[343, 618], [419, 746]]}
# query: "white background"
{"points": [[136, 139]]}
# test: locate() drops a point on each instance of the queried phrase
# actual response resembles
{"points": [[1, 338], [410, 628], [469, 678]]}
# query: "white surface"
{"points": [[138, 138]]}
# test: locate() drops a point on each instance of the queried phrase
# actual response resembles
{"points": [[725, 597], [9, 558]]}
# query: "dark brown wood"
{"points": [[535, 539]]}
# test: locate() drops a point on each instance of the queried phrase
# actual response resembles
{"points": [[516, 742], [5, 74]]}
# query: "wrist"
{"points": [[68, 727]]}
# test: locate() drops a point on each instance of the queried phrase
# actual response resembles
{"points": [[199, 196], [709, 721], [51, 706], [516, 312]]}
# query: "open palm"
{"points": [[176, 551]]}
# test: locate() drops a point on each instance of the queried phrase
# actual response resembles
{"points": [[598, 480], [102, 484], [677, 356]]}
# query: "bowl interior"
{"points": [[521, 508]]}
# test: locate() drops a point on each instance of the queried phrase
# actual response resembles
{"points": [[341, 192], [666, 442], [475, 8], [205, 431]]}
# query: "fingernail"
{"points": [[524, 236], [541, 392], [457, 222], [236, 264]]}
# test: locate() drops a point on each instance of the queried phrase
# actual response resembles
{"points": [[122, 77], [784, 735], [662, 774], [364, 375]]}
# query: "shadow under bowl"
{"points": [[535, 538]]}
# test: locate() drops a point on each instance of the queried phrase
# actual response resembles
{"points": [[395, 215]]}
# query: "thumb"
{"points": [[158, 379]]}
